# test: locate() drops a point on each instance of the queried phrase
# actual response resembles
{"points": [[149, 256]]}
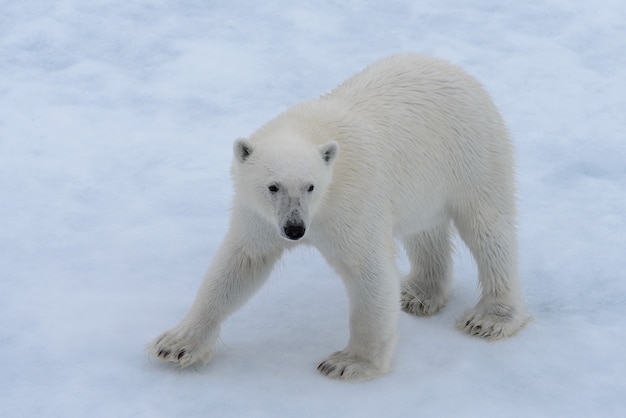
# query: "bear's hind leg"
{"points": [[425, 289], [500, 312]]}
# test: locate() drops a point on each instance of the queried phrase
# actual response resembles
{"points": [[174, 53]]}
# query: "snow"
{"points": [[116, 125]]}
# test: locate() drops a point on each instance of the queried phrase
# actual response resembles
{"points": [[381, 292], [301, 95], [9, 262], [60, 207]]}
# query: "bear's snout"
{"points": [[294, 231]]}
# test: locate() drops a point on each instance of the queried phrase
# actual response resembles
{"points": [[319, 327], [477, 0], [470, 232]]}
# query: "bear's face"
{"points": [[285, 185]]}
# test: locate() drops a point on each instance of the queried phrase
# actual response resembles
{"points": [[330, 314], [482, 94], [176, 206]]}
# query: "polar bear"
{"points": [[403, 150]]}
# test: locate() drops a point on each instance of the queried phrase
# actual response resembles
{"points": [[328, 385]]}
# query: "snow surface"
{"points": [[116, 124]]}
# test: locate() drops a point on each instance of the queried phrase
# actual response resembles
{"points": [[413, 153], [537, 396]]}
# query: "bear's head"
{"points": [[284, 183]]}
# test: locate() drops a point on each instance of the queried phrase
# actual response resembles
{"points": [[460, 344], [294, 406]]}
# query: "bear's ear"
{"points": [[329, 152], [242, 149]]}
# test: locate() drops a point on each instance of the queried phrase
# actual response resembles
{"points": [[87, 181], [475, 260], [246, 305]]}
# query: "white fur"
{"points": [[402, 149]]}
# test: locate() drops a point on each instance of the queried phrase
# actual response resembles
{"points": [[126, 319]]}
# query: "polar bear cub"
{"points": [[403, 150]]}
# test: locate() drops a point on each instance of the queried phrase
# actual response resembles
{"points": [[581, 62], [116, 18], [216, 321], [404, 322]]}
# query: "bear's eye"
{"points": [[273, 188], [310, 189]]}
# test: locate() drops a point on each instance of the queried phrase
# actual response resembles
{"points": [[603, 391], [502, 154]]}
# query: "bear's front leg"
{"points": [[373, 290], [233, 277]]}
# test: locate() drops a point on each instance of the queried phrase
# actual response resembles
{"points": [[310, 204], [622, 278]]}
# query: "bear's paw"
{"points": [[415, 301], [493, 321], [182, 347], [343, 365]]}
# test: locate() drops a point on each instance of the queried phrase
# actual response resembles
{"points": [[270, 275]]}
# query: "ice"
{"points": [[116, 125]]}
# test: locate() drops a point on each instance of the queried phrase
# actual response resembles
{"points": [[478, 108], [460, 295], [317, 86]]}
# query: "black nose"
{"points": [[294, 231]]}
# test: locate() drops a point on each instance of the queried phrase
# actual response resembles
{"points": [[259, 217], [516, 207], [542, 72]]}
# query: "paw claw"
{"points": [[326, 368]]}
